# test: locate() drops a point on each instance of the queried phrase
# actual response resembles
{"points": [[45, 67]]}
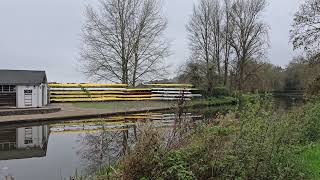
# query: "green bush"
{"points": [[255, 142], [311, 120], [176, 166], [215, 101], [220, 91], [262, 147], [144, 161]]}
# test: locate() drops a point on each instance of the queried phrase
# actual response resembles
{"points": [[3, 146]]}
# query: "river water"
{"points": [[58, 150]]}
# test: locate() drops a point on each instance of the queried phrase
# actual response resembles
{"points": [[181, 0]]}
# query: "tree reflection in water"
{"points": [[107, 145], [104, 147]]}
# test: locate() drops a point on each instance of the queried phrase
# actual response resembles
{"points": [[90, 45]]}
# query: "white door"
{"points": [[27, 98]]}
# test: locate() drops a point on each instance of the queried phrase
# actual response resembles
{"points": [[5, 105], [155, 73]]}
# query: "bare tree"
{"points": [[204, 31], [226, 31], [306, 27], [123, 40], [217, 27], [249, 35], [150, 48], [220, 30]]}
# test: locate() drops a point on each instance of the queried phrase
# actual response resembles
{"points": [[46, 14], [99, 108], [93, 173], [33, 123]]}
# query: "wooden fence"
{"points": [[120, 92]]}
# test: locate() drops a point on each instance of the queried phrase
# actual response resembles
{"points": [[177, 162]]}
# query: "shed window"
{"points": [[12, 88], [7, 88]]}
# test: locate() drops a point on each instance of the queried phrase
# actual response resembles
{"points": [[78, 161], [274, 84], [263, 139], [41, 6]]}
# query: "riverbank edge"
{"points": [[32, 111], [118, 113]]}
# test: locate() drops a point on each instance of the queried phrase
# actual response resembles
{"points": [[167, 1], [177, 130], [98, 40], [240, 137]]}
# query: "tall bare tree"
{"points": [[217, 27], [123, 41], [227, 48], [150, 48], [249, 35], [205, 38], [306, 27], [305, 34], [221, 30]]}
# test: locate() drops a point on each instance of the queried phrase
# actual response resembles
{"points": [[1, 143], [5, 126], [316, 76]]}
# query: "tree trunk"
{"points": [[241, 74], [225, 78], [134, 76], [226, 61]]}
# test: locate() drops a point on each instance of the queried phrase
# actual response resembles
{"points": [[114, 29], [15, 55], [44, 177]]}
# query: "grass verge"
{"points": [[310, 159], [125, 105]]}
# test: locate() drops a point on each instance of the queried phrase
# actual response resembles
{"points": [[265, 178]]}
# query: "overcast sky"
{"points": [[45, 34]]}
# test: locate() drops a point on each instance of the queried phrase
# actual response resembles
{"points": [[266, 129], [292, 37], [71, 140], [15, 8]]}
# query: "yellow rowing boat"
{"points": [[87, 85]]}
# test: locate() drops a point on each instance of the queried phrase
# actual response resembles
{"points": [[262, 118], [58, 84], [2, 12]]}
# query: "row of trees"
{"points": [[227, 39], [266, 76], [124, 42], [305, 35]]}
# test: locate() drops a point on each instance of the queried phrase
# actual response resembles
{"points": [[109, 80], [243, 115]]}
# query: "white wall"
{"points": [[45, 93], [37, 99]]}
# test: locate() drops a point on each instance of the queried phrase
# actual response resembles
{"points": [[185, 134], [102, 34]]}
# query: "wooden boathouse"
{"points": [[23, 89]]}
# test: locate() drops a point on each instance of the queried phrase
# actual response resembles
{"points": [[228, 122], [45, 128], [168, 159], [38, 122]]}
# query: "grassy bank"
{"points": [[125, 105], [252, 143], [310, 159]]}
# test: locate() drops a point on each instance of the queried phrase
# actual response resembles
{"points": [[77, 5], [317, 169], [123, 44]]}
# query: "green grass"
{"points": [[124, 105], [311, 160]]}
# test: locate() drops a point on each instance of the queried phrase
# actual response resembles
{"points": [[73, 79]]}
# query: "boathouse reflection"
{"points": [[23, 142]]}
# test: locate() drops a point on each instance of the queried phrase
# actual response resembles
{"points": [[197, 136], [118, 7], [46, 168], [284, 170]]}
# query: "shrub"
{"points": [[311, 120], [253, 143], [261, 148], [220, 91], [146, 158], [175, 166], [313, 89]]}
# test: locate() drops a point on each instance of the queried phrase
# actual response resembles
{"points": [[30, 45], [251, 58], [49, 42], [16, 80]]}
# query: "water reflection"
{"points": [[23, 142], [100, 148], [285, 103], [116, 123], [57, 149], [105, 142]]}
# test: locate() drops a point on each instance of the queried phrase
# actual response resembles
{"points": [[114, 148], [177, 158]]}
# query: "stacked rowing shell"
{"points": [[173, 91], [96, 93], [119, 92]]}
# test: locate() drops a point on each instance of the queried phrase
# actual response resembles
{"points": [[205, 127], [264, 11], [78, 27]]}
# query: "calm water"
{"points": [[58, 150]]}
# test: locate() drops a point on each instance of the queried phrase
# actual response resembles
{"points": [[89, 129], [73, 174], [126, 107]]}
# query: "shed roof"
{"points": [[22, 77]]}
